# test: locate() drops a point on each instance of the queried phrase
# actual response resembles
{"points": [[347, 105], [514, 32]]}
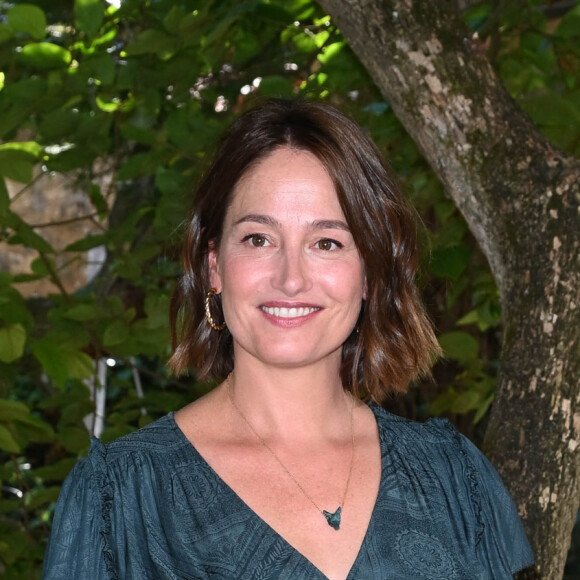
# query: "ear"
{"points": [[213, 267], [365, 291]]}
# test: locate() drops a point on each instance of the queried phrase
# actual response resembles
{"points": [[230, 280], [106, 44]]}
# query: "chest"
{"points": [[204, 529], [289, 493]]}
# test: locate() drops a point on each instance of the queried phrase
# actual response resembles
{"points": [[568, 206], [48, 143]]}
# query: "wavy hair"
{"points": [[395, 341]]}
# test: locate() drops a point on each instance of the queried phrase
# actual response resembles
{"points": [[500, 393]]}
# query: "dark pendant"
{"points": [[333, 519]]}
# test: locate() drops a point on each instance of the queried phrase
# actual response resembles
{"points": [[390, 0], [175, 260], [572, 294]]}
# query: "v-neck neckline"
{"points": [[375, 410]]}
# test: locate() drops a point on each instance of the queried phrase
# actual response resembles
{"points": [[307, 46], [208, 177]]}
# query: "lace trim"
{"points": [[98, 455]]}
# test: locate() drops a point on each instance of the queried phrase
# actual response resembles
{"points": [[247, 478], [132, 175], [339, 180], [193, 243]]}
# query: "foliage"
{"points": [[128, 103]]}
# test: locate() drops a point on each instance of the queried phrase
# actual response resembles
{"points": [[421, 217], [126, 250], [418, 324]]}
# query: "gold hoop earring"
{"points": [[208, 315]]}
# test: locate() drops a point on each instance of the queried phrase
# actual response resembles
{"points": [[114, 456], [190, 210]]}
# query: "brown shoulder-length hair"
{"points": [[394, 341]]}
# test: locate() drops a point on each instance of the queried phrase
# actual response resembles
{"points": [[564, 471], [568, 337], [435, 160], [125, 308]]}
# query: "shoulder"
{"points": [[159, 436], [397, 430], [132, 461], [472, 489], [437, 449]]}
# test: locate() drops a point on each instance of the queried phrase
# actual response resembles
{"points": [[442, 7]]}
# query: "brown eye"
{"points": [[257, 240], [327, 245]]}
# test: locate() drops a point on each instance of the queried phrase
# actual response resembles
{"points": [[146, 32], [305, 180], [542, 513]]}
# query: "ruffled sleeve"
{"points": [[501, 542], [80, 542]]}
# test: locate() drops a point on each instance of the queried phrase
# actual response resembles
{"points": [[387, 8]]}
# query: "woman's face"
{"points": [[291, 277]]}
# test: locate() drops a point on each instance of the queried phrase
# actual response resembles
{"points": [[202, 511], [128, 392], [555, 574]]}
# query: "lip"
{"points": [[285, 321]]}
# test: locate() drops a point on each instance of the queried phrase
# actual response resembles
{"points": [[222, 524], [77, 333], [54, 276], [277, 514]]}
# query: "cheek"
{"points": [[346, 281], [237, 273]]}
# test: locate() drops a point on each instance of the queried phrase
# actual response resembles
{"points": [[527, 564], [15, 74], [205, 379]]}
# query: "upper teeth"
{"points": [[288, 312]]}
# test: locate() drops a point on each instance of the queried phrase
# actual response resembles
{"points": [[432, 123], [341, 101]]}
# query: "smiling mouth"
{"points": [[289, 312]]}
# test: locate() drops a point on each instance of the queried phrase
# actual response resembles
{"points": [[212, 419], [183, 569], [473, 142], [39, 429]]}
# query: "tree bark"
{"points": [[521, 199]]}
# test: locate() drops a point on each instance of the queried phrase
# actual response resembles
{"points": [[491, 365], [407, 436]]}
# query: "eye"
{"points": [[256, 240], [327, 245]]}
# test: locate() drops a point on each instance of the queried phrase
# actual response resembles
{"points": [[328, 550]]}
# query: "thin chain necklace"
{"points": [[333, 518]]}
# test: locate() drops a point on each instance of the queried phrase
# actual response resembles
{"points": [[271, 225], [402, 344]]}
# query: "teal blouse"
{"points": [[149, 507]]}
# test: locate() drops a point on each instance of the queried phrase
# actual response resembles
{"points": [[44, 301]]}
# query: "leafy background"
{"points": [[125, 105]]}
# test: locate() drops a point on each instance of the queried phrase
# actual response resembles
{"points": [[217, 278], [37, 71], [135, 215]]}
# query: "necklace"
{"points": [[333, 518]]}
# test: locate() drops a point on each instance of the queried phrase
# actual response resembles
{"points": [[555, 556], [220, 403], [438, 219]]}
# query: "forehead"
{"points": [[286, 177]]}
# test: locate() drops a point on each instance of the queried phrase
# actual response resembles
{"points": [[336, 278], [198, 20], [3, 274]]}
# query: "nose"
{"points": [[292, 273]]}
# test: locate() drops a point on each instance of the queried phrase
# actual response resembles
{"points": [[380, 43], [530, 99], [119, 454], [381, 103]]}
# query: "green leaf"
{"points": [[7, 442], [83, 312], [450, 262], [89, 16], [483, 407], [551, 109], [16, 165], [85, 244], [40, 497], [153, 41], [459, 345], [137, 165], [80, 365], [12, 341], [569, 26], [25, 234], [31, 428], [27, 18], [45, 55], [13, 411], [466, 401], [73, 439], [13, 308], [443, 402], [470, 318], [115, 333], [5, 32], [98, 200], [32, 148], [276, 86], [100, 68], [108, 106], [57, 471], [52, 359], [4, 197]]}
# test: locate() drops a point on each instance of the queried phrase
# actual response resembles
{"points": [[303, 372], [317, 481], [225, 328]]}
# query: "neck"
{"points": [[291, 403]]}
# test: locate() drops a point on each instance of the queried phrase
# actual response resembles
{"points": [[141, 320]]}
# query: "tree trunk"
{"points": [[521, 199]]}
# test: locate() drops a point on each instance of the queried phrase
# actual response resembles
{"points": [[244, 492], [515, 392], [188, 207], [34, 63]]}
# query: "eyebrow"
{"points": [[270, 221]]}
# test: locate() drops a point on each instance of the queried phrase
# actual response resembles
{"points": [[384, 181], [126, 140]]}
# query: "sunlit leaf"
{"points": [[45, 55], [31, 148], [108, 106]]}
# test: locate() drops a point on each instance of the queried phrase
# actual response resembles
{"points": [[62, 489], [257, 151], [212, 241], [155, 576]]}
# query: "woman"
{"points": [[298, 295]]}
